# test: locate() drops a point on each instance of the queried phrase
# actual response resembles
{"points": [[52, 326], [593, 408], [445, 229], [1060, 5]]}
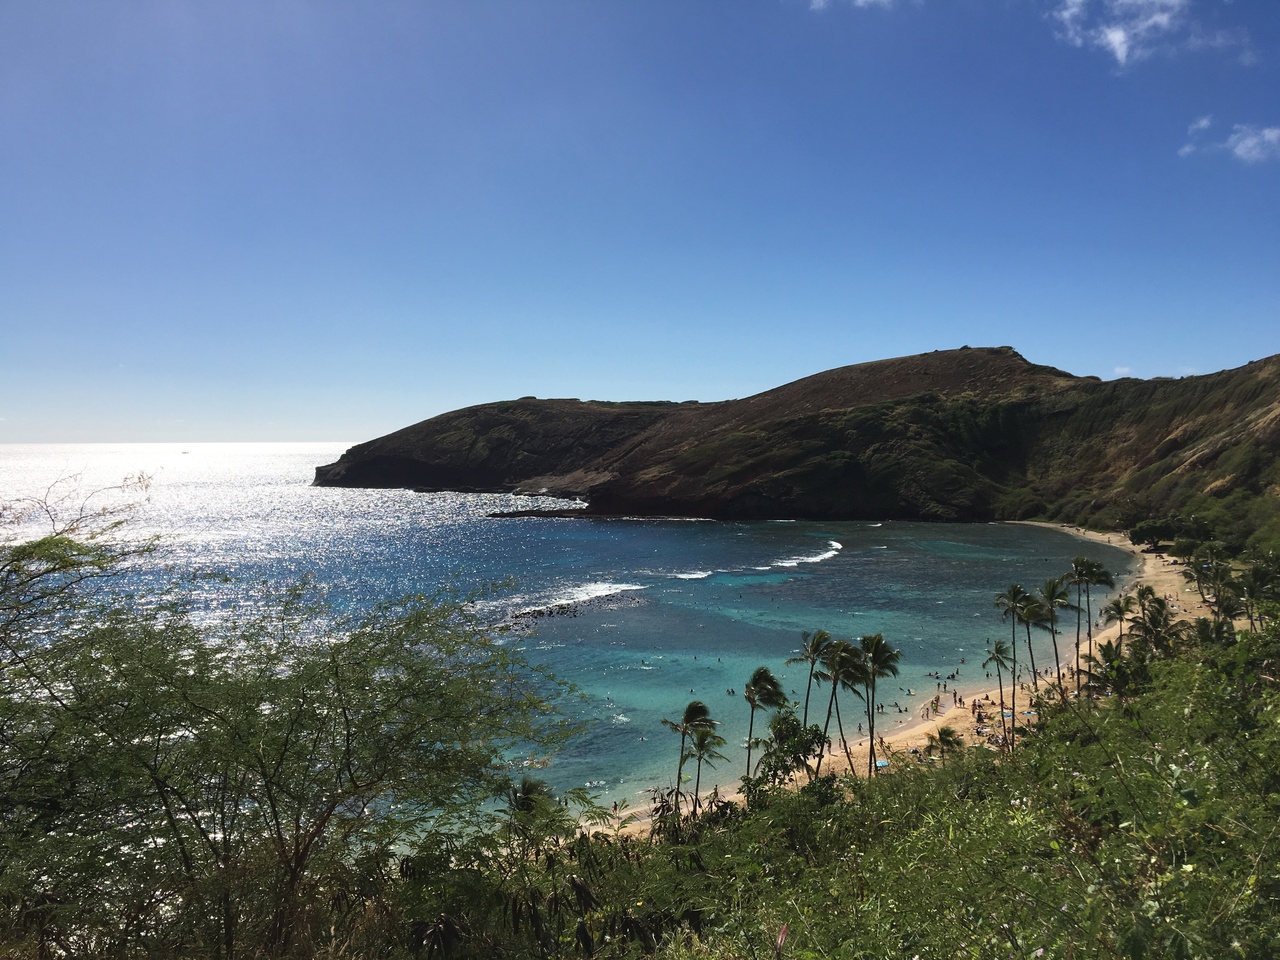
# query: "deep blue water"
{"points": [[659, 611]]}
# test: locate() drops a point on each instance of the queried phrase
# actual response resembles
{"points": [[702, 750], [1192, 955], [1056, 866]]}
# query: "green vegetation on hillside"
{"points": [[235, 783]]}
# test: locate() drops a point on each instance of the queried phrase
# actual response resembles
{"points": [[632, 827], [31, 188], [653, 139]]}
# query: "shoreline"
{"points": [[1154, 569], [908, 734]]}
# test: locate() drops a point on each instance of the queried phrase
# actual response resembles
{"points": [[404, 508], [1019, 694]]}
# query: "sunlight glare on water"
{"points": [[642, 615]]}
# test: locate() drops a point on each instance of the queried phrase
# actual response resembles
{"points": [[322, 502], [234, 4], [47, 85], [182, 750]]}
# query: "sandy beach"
{"points": [[1161, 573], [903, 734]]}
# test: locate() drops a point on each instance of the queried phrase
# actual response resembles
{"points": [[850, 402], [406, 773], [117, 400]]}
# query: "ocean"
{"points": [[642, 615]]}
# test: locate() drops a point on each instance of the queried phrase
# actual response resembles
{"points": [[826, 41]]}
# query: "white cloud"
{"points": [[1199, 39], [1128, 30], [1132, 30], [1115, 39], [1248, 143], [1123, 371], [823, 4], [1197, 127], [1254, 144], [1071, 15]]}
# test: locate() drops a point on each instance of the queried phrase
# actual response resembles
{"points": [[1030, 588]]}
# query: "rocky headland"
{"points": [[971, 434]]}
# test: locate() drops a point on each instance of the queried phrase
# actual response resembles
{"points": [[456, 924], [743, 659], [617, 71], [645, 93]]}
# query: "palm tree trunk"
{"points": [[1004, 727], [1077, 663], [1057, 664], [1089, 614], [844, 742], [751, 726], [1035, 675], [871, 725], [817, 769], [679, 774], [1013, 644], [1013, 704]]}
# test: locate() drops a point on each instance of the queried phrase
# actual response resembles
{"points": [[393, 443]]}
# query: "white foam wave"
{"points": [[815, 558], [694, 575], [583, 593], [594, 591]]}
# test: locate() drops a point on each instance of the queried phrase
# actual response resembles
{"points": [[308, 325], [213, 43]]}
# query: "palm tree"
{"points": [[810, 653], [527, 795], [704, 749], [536, 815], [1099, 576], [1229, 608], [947, 740], [1032, 613], [1010, 603], [1213, 633], [1145, 595], [1002, 658], [696, 716], [878, 660], [1256, 584], [1108, 672], [853, 677], [762, 690], [840, 668], [1116, 610], [1210, 570], [1053, 594], [1076, 577], [1155, 626]]}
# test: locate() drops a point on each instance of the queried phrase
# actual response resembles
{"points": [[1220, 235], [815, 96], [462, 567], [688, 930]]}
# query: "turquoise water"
{"points": [[643, 615]]}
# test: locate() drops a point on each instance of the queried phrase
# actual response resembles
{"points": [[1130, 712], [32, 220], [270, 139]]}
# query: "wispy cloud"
{"points": [[1129, 30], [1203, 123], [1194, 129], [1254, 144], [1123, 371], [823, 4], [1247, 143]]}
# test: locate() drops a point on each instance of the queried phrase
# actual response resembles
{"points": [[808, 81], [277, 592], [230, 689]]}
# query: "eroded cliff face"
{"points": [[968, 434]]}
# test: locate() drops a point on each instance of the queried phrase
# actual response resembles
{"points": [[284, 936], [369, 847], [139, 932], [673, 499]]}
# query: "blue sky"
{"points": [[318, 220]]}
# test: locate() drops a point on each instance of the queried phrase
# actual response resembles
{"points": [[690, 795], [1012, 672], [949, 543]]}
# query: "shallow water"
{"points": [[643, 615]]}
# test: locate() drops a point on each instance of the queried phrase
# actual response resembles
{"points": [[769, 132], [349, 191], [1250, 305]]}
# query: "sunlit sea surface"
{"points": [[658, 612]]}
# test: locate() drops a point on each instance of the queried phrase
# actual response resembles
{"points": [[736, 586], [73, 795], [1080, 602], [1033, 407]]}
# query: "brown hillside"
{"points": [[984, 373], [967, 434]]}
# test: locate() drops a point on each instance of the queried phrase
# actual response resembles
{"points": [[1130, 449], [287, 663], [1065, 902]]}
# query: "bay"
{"points": [[642, 615]]}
